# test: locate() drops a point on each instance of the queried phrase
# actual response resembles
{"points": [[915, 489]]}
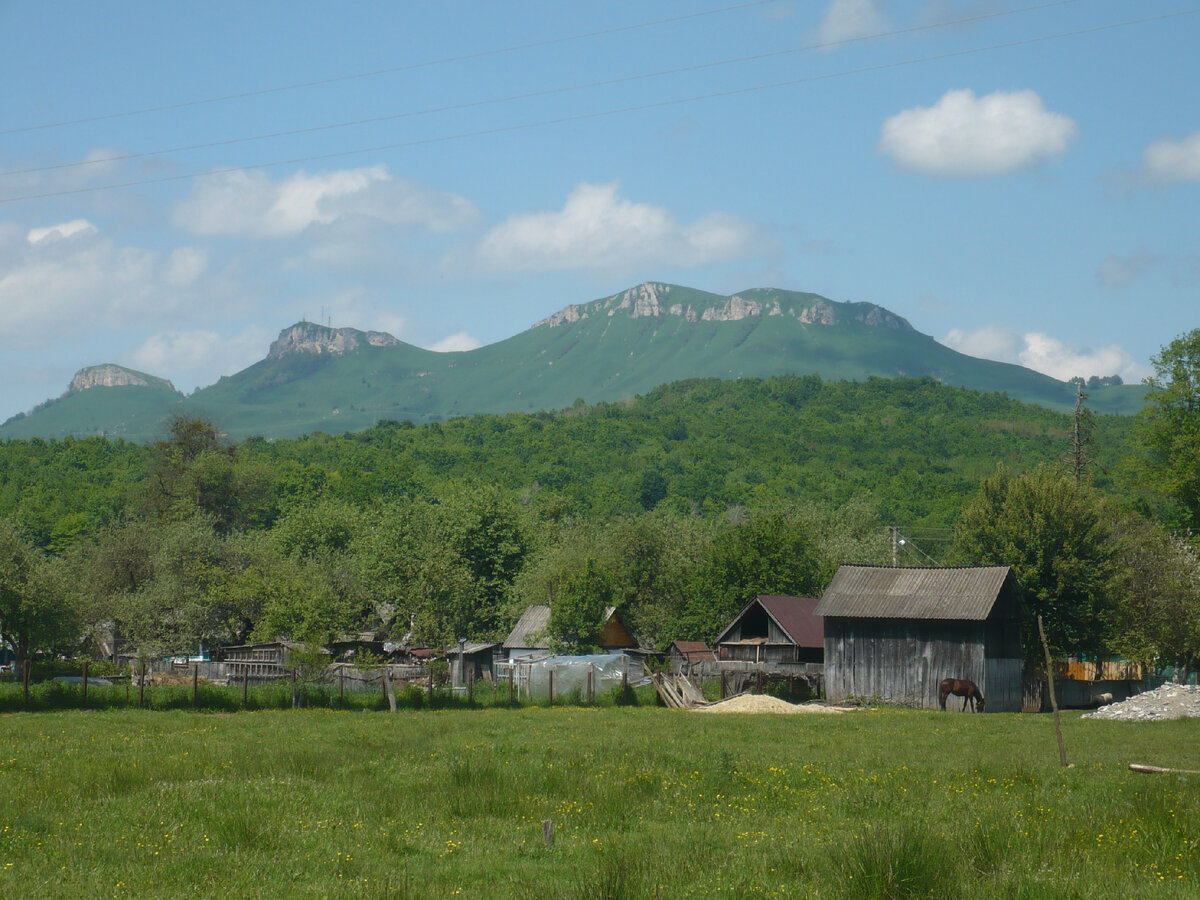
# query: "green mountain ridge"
{"points": [[317, 378]]}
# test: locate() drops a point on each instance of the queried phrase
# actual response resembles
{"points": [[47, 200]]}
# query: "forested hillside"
{"points": [[676, 506]]}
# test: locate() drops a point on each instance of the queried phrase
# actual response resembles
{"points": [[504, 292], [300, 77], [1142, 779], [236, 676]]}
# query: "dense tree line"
{"points": [[676, 507]]}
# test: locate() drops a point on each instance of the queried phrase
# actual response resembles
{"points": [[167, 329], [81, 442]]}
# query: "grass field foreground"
{"points": [[645, 802]]}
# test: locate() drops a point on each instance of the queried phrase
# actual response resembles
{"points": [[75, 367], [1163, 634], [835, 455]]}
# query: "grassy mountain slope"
{"points": [[136, 412], [609, 349]]}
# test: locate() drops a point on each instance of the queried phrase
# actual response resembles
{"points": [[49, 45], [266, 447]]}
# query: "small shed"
{"points": [[895, 633], [528, 637], [477, 660], [684, 654], [774, 628]]}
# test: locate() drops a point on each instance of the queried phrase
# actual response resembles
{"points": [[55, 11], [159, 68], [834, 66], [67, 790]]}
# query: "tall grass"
{"points": [[644, 802]]}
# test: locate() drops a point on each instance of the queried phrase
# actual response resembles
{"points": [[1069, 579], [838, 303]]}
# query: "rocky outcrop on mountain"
{"points": [[111, 375], [653, 300], [309, 337]]}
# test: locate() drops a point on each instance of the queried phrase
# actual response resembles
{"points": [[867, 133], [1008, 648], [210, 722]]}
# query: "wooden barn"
{"points": [[896, 633], [774, 629]]}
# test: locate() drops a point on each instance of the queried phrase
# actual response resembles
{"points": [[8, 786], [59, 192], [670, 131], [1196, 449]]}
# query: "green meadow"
{"points": [[644, 802]]}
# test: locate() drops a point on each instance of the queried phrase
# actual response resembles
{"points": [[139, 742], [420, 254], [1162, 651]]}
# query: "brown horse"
{"points": [[961, 687]]}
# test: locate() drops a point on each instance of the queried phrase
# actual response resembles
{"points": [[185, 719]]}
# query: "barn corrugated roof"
{"points": [[795, 615], [875, 592], [530, 629]]}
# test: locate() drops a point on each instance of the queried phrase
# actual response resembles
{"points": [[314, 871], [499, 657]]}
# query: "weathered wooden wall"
{"points": [[904, 661]]}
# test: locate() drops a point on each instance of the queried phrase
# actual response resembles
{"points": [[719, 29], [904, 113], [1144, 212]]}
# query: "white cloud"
{"points": [[1171, 160], [184, 266], [456, 342], [965, 135], [1045, 354], [55, 287], [596, 229], [251, 204], [196, 358], [63, 230], [848, 19], [71, 280]]}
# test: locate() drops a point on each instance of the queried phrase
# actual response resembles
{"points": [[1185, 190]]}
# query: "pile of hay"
{"points": [[763, 703]]}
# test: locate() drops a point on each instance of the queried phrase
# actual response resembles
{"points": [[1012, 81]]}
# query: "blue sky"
{"points": [[1019, 180]]}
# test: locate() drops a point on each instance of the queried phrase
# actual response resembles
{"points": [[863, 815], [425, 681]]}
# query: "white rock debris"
{"points": [[1171, 701]]}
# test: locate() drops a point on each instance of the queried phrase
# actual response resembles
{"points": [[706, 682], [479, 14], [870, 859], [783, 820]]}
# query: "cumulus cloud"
{"points": [[62, 230], [848, 19], [251, 204], [1171, 160], [456, 342], [964, 135], [596, 229], [1045, 354], [196, 358], [71, 279]]}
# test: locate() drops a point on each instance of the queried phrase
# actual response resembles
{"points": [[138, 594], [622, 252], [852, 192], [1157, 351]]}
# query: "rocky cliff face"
{"points": [[308, 337], [110, 375], [653, 300]]}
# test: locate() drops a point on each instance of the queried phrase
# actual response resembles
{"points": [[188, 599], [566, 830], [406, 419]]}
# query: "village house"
{"points": [[774, 629]]}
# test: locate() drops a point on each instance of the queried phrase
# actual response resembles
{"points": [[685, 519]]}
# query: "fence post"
{"points": [[471, 687], [195, 683], [551, 687], [295, 699], [388, 689], [341, 685], [85, 662], [26, 664], [431, 687], [245, 685], [723, 686], [141, 684], [512, 677]]}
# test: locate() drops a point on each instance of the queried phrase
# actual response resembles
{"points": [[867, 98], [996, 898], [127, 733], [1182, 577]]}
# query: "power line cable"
{"points": [[733, 92], [464, 57], [208, 145]]}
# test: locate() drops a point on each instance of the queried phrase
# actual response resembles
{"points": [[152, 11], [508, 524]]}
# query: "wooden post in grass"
{"points": [[195, 683], [85, 662], [512, 677], [471, 687], [551, 687], [388, 692], [724, 687], [1062, 750], [141, 683], [341, 685], [548, 832], [430, 687], [245, 686], [25, 666]]}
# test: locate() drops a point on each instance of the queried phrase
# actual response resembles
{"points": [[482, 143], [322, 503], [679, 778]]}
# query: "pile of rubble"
{"points": [[1171, 701]]}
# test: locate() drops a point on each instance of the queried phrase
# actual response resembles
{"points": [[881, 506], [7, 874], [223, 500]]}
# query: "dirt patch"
{"points": [[764, 703]]}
